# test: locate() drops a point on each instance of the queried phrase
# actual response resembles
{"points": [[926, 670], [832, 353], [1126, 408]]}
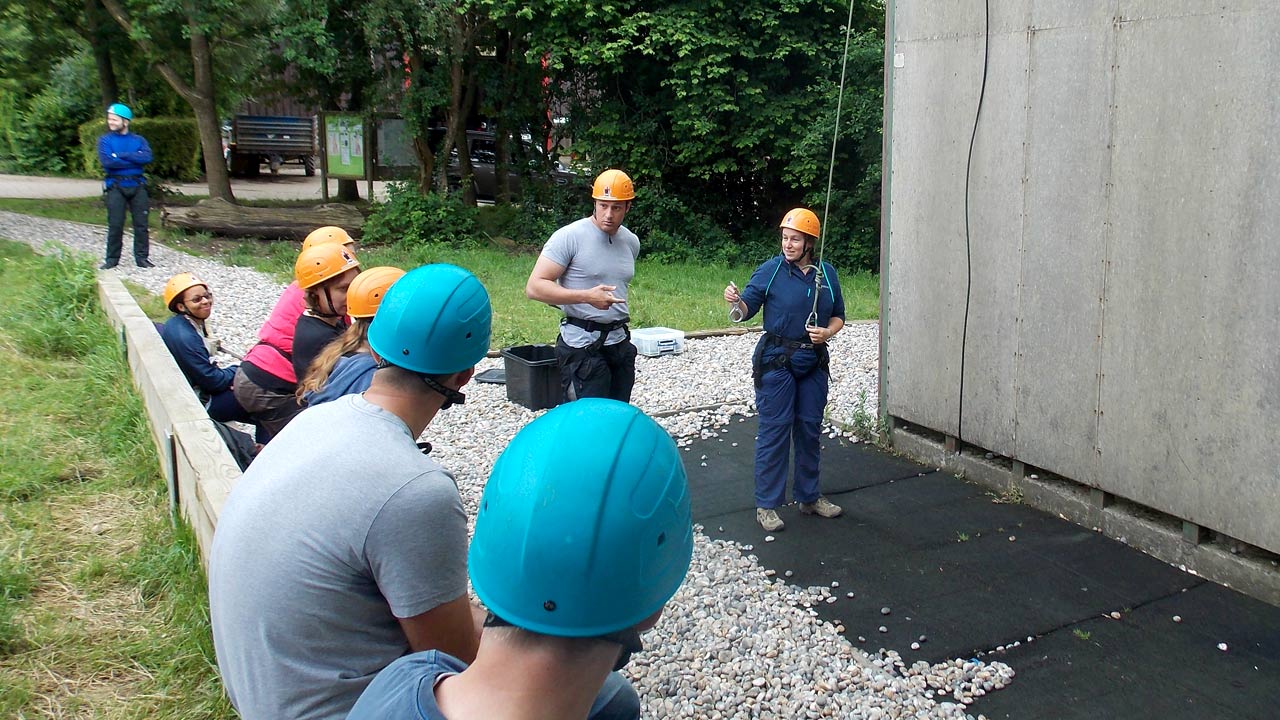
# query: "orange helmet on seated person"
{"points": [[177, 285], [322, 262], [367, 290], [328, 234]]}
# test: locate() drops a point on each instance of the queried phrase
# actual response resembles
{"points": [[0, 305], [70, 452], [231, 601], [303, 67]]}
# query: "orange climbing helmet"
{"points": [[177, 285], [613, 185], [327, 234], [322, 262], [367, 290], [803, 220]]}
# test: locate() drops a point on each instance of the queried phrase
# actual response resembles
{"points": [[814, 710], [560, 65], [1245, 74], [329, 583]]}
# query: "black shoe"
{"points": [[144, 263], [107, 265]]}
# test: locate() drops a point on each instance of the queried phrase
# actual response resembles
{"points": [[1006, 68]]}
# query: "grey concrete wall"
{"points": [[1123, 323]]}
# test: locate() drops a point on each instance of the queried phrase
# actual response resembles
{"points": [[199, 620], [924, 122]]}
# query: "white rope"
{"points": [[831, 169]]}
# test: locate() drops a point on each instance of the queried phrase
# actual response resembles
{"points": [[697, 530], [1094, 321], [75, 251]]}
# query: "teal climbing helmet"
{"points": [[121, 110], [435, 320], [584, 528]]}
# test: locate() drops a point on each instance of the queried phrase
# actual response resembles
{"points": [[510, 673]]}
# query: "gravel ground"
{"points": [[733, 643]]}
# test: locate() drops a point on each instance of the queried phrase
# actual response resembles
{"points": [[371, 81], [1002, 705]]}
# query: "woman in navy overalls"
{"points": [[790, 366]]}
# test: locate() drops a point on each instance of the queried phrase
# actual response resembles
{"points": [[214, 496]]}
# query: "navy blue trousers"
{"points": [[134, 201], [791, 402]]}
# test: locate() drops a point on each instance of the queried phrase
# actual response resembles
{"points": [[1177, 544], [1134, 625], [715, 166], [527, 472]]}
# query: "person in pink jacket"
{"points": [[266, 384]]}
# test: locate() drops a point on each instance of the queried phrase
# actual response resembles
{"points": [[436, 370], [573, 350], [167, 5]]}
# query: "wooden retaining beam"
{"points": [[200, 469]]}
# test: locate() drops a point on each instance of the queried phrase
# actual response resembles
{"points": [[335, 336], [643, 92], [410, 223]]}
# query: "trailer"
{"points": [[254, 140]]}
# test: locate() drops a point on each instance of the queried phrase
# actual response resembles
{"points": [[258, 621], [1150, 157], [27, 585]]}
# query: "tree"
{"points": [[181, 40], [326, 56], [717, 108], [434, 43]]}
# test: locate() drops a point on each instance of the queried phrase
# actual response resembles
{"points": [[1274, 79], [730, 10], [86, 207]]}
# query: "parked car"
{"points": [[484, 154]]}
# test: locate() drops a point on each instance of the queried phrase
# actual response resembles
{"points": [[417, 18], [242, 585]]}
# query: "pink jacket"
{"points": [[274, 351]]}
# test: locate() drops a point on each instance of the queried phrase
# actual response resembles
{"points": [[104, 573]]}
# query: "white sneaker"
{"points": [[769, 520], [821, 507]]}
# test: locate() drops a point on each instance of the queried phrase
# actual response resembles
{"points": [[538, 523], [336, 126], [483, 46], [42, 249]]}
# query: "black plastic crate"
{"points": [[533, 380]]}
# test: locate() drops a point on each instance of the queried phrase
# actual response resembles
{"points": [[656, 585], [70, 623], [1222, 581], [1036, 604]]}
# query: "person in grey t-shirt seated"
{"points": [[585, 269], [575, 555], [343, 547]]}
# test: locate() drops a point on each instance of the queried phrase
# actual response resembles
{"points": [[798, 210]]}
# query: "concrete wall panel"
{"points": [[1139, 287], [1190, 324], [995, 215], [1060, 298], [926, 270]]}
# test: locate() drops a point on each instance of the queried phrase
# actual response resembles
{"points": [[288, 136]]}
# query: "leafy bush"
{"points": [[409, 217], [174, 141], [543, 210], [44, 138], [9, 125], [672, 231]]}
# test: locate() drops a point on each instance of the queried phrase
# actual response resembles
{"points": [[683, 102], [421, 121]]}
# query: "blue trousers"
{"points": [[791, 402]]}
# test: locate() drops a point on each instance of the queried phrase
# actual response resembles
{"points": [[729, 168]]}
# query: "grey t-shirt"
{"points": [[339, 526], [590, 258]]}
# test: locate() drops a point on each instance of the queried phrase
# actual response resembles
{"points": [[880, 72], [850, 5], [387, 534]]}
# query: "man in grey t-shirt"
{"points": [[343, 547], [585, 269]]}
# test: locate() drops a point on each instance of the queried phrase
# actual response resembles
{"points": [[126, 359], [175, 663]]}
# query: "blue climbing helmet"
{"points": [[121, 110], [435, 321], [584, 528]]}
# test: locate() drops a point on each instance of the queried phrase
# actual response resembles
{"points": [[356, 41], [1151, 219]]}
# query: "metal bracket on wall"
{"points": [[171, 473], [1194, 534]]}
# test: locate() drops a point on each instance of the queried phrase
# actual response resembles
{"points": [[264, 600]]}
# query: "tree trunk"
{"points": [[292, 223], [206, 109], [200, 97], [96, 35], [502, 157]]}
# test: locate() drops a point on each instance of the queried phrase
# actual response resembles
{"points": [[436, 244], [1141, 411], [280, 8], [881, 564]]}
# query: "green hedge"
{"points": [[175, 146]]}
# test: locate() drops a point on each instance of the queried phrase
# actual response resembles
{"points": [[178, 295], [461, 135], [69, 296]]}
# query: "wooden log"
{"points": [[287, 223]]}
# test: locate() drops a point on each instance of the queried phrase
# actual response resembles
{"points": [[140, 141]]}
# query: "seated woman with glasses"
{"points": [[192, 345]]}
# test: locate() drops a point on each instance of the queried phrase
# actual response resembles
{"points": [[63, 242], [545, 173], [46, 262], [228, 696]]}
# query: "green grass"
{"points": [[103, 610], [686, 296], [92, 209], [85, 210]]}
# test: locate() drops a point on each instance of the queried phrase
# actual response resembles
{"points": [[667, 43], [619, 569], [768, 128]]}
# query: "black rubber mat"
{"points": [[970, 574], [726, 483], [1147, 666], [493, 376]]}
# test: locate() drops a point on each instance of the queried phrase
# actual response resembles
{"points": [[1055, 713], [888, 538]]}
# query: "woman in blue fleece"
{"points": [[187, 336], [123, 156]]}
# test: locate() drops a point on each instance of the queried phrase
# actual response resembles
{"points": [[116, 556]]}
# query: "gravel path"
{"points": [[733, 643]]}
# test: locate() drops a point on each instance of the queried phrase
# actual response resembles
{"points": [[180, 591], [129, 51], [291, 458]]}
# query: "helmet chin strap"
{"points": [[451, 397], [328, 299], [628, 639]]}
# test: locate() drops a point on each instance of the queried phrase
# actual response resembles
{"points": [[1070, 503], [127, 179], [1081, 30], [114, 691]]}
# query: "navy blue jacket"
{"points": [[187, 348], [786, 292], [123, 157]]}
